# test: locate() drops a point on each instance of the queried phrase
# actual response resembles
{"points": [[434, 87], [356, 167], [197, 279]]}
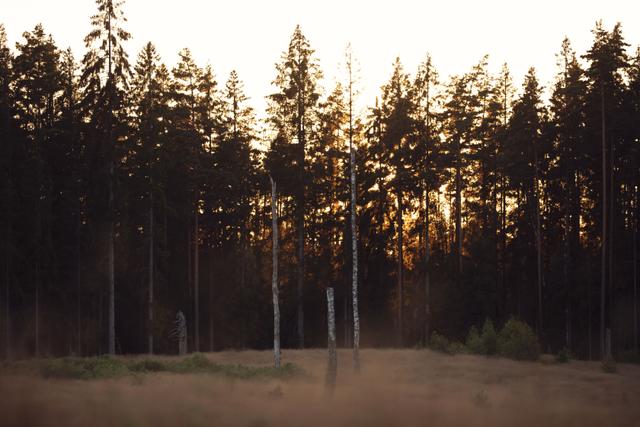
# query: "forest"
{"points": [[130, 191]]}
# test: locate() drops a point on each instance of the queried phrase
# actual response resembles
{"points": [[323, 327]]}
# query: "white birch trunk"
{"points": [[274, 275], [332, 369], [354, 231]]}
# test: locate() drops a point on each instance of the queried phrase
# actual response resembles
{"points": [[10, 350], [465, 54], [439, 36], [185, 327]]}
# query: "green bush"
{"points": [[456, 347], [474, 343], [147, 365], [489, 338], [439, 342], [517, 341], [89, 368], [485, 343]]}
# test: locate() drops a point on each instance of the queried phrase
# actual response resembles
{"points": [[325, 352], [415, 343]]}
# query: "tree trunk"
{"points": [[604, 229], [538, 233], [635, 273], [274, 275], [151, 271], [354, 229], [211, 303], [37, 313], [196, 280], [427, 274], [400, 230], [458, 202], [354, 242], [111, 266], [332, 369]]}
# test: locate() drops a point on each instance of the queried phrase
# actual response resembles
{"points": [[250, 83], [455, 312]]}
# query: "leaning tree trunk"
{"points": [[274, 275]]}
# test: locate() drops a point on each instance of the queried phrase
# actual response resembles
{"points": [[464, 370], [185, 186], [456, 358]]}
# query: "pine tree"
{"points": [[105, 81], [292, 111]]}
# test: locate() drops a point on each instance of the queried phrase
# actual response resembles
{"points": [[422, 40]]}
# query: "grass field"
{"points": [[395, 388]]}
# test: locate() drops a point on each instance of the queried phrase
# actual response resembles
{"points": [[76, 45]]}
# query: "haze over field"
{"points": [[395, 388]]}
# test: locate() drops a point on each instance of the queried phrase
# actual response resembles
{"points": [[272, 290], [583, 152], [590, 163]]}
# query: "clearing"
{"points": [[395, 388]]}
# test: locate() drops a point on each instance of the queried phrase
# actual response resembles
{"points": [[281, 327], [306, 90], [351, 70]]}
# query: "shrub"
{"points": [[517, 341], [147, 365], [474, 343], [439, 342], [563, 356], [89, 368], [456, 347], [489, 338], [609, 365]]}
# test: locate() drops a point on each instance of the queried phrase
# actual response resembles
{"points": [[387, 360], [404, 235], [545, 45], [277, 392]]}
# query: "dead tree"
{"points": [[179, 332]]}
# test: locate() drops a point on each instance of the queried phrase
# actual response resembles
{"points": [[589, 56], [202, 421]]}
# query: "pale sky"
{"points": [[249, 36]]}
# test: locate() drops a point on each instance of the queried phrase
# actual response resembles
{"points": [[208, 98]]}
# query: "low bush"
{"points": [[489, 338], [107, 367], [439, 342], [456, 347], [89, 368], [485, 343], [474, 343], [517, 341]]}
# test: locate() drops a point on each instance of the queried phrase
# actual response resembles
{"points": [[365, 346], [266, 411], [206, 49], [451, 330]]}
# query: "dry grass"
{"points": [[395, 388]]}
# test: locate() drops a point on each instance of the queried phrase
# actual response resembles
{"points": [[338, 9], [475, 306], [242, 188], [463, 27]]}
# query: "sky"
{"points": [[250, 36]]}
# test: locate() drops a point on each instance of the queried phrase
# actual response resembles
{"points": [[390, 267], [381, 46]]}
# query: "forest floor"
{"points": [[394, 388]]}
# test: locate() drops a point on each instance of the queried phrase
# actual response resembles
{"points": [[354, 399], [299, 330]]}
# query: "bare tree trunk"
{"points": [[332, 370], [458, 202], [37, 314], [274, 274], [635, 273], [538, 239], [604, 229], [211, 304], [196, 280], [400, 268], [354, 227], [610, 236], [7, 278], [300, 296], [151, 271], [111, 266], [427, 275]]}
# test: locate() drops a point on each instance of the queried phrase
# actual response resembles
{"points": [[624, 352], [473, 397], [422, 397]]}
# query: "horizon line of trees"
{"points": [[131, 191]]}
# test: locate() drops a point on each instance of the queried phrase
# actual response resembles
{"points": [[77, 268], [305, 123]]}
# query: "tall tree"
{"points": [[292, 111], [351, 94], [105, 81], [428, 165]]}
